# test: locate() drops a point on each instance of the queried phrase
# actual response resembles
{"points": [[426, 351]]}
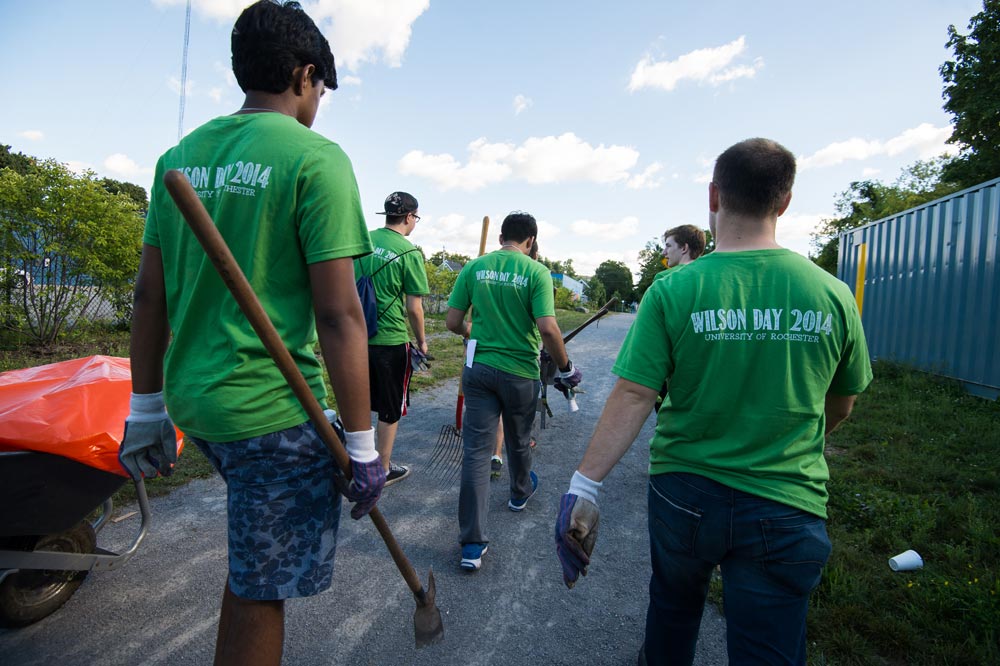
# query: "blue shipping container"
{"points": [[927, 281]]}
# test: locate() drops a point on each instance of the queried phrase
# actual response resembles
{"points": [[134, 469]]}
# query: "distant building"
{"points": [[575, 286], [452, 266]]}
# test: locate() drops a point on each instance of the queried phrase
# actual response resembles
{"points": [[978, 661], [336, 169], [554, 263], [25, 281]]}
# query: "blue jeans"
{"points": [[771, 556]]}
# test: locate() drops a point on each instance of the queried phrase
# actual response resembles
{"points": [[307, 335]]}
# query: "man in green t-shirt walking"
{"points": [[512, 312], [397, 270], [765, 355], [286, 201]]}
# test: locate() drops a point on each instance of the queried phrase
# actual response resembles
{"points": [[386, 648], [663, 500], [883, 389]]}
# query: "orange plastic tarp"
{"points": [[75, 409]]}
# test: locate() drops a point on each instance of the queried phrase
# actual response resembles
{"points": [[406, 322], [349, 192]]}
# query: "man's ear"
{"points": [[713, 198], [784, 204], [302, 78]]}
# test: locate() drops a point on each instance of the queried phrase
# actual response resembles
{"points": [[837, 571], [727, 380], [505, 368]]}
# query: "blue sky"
{"points": [[600, 118]]}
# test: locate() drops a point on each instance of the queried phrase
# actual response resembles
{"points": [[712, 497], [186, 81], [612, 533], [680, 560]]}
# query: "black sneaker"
{"points": [[496, 467], [396, 473]]}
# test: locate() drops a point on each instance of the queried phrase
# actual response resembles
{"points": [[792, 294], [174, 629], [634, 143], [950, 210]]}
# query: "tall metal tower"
{"points": [[184, 71]]}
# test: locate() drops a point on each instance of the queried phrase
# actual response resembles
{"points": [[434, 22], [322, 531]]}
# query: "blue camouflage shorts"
{"points": [[284, 510]]}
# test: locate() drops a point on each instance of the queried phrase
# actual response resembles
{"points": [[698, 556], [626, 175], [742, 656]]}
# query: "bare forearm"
{"points": [[150, 329], [552, 340], [415, 314], [624, 414], [837, 409], [344, 341]]}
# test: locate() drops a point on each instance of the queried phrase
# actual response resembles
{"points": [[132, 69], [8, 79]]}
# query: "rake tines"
{"points": [[446, 459]]}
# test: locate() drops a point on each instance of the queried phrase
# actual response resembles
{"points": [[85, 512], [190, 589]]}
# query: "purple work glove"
{"points": [[566, 381], [366, 486], [368, 475], [576, 533]]}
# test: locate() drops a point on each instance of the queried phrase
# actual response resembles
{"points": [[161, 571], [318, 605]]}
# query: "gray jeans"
{"points": [[488, 394]]}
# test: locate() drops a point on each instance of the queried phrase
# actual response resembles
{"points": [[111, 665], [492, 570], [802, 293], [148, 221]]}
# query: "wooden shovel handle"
{"points": [[218, 252]]}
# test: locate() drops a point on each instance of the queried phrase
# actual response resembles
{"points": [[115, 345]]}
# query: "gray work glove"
{"points": [[149, 444]]}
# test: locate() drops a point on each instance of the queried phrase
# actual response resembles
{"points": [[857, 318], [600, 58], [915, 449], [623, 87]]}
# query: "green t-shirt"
{"points": [[507, 291], [751, 343], [403, 275], [283, 197]]}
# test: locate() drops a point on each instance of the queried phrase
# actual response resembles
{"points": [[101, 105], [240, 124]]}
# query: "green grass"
{"points": [[914, 467]]}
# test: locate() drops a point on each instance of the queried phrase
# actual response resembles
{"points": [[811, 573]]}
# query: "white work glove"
{"points": [[368, 474], [149, 445]]}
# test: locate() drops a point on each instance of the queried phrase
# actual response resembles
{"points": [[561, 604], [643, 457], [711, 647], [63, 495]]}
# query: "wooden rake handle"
{"points": [[218, 252]]}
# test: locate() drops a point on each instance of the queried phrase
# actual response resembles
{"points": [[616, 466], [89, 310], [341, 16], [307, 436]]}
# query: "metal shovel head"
{"points": [[427, 626]]}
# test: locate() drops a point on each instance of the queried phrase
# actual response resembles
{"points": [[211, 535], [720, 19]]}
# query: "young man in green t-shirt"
{"points": [[512, 312], [400, 280], [765, 355], [285, 200]]}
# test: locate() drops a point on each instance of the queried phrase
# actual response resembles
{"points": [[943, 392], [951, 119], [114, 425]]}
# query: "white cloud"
{"points": [[367, 30], [647, 180], [794, 231], [454, 233], [358, 30], [79, 167], [216, 95], [925, 140], [713, 66], [586, 263], [869, 171], [32, 135], [175, 85], [703, 178], [122, 165], [349, 80], [226, 72], [521, 103], [627, 226], [538, 160]]}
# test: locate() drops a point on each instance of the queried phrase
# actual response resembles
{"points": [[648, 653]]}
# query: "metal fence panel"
{"points": [[927, 281]]}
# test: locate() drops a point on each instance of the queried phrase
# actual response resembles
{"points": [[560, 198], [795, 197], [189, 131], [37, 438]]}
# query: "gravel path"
{"points": [[162, 606]]}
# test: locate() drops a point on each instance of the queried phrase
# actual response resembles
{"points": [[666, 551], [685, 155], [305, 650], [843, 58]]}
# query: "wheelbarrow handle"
{"points": [[222, 258]]}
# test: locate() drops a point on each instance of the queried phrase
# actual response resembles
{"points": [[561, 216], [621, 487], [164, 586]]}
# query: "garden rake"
{"points": [[446, 459]]}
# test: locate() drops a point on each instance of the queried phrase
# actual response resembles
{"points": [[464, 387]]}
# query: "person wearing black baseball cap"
{"points": [[397, 270]]}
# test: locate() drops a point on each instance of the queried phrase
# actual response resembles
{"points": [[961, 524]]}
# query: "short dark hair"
{"points": [[754, 176], [690, 235], [519, 226], [270, 39], [533, 252]]}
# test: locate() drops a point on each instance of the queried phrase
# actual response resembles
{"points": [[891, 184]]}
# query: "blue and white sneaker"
{"points": [[472, 555], [518, 504]]}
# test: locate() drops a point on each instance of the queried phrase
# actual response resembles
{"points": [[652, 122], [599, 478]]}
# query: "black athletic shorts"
{"points": [[389, 379]]}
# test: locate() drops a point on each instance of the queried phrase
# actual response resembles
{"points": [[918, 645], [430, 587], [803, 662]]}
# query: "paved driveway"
{"points": [[162, 606]]}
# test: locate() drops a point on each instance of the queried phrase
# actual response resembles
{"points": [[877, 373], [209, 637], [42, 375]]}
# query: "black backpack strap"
{"points": [[400, 293]]}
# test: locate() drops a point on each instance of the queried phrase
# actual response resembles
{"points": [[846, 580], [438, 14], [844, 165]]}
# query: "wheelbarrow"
{"points": [[51, 511], [60, 428]]}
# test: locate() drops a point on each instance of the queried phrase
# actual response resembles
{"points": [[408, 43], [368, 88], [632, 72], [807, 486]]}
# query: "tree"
{"points": [[650, 265], [134, 192], [79, 243], [595, 292], [440, 281], [19, 162], [559, 267], [972, 94], [616, 278], [563, 298], [869, 200], [438, 258]]}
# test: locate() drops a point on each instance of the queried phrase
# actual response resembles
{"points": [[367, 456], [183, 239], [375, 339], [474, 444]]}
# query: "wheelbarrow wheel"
{"points": [[31, 594]]}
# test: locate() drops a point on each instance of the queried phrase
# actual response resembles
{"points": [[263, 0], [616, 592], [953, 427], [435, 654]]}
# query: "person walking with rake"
{"points": [[512, 313]]}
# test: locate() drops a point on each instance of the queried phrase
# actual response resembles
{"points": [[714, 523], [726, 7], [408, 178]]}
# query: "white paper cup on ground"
{"points": [[906, 561]]}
